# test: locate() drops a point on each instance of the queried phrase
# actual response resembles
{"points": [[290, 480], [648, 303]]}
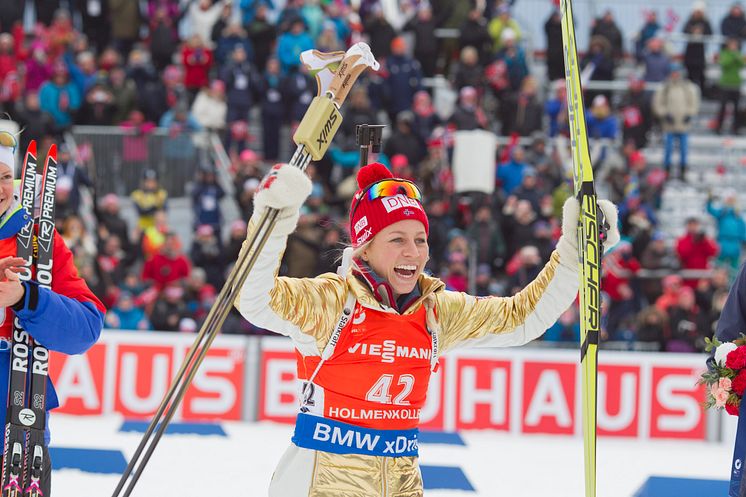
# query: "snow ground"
{"points": [[496, 464]]}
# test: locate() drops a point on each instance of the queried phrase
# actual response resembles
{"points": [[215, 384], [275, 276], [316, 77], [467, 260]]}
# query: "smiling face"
{"points": [[398, 253], [6, 187]]}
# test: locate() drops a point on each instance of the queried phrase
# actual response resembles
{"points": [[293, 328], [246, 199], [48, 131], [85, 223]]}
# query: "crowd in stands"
{"points": [[189, 65]]}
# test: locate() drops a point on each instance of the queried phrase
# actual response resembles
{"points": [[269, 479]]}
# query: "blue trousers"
{"points": [[683, 139]]}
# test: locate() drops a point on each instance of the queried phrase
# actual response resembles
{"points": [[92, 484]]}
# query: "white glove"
{"points": [[567, 246], [284, 188]]}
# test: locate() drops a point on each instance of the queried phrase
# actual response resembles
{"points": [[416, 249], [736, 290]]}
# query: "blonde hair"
{"points": [[8, 140]]}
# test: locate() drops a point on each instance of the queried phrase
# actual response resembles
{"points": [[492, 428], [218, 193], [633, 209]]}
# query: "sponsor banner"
{"points": [[529, 390], [130, 372]]}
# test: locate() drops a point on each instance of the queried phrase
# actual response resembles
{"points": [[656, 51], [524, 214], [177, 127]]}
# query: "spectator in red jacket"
{"points": [[197, 60], [695, 249], [619, 269], [168, 265]]}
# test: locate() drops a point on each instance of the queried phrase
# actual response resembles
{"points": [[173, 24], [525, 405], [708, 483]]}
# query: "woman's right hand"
{"points": [[285, 188]]}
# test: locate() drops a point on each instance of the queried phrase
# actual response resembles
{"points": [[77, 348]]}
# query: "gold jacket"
{"points": [[306, 310]]}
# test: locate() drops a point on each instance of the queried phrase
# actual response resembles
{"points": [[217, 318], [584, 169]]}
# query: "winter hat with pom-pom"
{"points": [[382, 200]]}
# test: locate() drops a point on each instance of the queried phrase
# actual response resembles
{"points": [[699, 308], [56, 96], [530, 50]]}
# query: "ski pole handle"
{"points": [[322, 119]]}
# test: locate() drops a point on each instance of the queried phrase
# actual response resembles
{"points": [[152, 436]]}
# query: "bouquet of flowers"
{"points": [[726, 380]]}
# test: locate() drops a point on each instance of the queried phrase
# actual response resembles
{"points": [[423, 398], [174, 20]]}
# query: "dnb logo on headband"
{"points": [[362, 223], [398, 201]]}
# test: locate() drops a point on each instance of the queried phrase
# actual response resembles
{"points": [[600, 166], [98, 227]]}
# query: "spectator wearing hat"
{"points": [[206, 196], [694, 54], [291, 44], [298, 89], [124, 94], [110, 222], [522, 113], [733, 24], [425, 117], [168, 265], [606, 27], [60, 97], [731, 61], [695, 249], [71, 176], [98, 107], [170, 308], [656, 62], [38, 69], [403, 139], [241, 84], [357, 111], [490, 244], [620, 267], [519, 220], [556, 110], [199, 295], [158, 97], [206, 253], [687, 324], [197, 60], [510, 173], [236, 236], [272, 109], [209, 108], [600, 63], [379, 31], [473, 33], [426, 44], [636, 114], [600, 121], [468, 115], [164, 37], [676, 103], [228, 35], [262, 34], [731, 228], [328, 40], [125, 315], [514, 57], [148, 199], [648, 31], [32, 119], [528, 189], [501, 22], [403, 81]]}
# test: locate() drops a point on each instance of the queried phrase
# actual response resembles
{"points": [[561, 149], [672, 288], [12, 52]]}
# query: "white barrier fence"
{"points": [[518, 390]]}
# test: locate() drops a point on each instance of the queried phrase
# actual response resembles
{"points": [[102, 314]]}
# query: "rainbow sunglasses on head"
{"points": [[388, 188]]}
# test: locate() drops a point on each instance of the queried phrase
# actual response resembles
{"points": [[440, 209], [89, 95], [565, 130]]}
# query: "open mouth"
{"points": [[406, 270]]}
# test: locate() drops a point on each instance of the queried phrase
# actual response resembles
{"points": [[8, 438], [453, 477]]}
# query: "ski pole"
{"points": [[313, 136]]}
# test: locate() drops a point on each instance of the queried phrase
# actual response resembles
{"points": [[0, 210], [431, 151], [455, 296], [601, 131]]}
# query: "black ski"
{"points": [[35, 461], [18, 417]]}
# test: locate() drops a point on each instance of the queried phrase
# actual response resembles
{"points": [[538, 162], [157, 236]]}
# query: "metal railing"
{"points": [[116, 157]]}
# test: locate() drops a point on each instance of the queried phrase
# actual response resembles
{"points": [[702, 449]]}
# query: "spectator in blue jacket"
{"points": [[291, 44], [59, 97], [657, 63], [731, 229], [510, 173], [404, 79]]}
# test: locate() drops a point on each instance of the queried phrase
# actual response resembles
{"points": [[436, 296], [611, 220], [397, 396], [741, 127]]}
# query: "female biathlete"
{"points": [[367, 341]]}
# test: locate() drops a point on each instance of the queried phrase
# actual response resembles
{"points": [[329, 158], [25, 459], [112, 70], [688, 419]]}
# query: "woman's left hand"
{"points": [[11, 289]]}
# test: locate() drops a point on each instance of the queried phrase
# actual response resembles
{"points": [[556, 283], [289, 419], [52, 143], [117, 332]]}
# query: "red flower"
{"points": [[739, 382], [736, 358], [732, 409]]}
